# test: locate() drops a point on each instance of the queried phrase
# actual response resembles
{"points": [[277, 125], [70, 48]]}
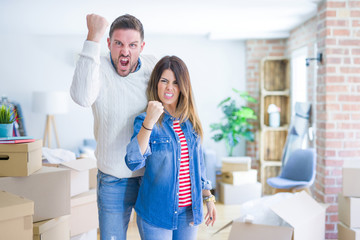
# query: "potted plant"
{"points": [[7, 119], [236, 122]]}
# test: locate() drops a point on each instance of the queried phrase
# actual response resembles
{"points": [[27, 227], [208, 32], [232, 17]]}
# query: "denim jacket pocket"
{"points": [[160, 144]]}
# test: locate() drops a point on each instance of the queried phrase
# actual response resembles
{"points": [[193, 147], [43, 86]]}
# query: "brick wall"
{"points": [[338, 100], [255, 51]]}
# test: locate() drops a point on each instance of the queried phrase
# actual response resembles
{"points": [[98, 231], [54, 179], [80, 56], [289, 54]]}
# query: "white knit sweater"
{"points": [[115, 102]]}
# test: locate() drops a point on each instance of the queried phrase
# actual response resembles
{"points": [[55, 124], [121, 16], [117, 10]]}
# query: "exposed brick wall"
{"points": [[255, 51], [338, 100]]}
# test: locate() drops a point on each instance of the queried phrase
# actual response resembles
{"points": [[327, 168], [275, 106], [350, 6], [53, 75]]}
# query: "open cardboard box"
{"points": [[80, 177], [305, 216]]}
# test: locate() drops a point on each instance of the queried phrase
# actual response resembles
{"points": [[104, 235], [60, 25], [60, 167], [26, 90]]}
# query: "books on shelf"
{"points": [[20, 139]]}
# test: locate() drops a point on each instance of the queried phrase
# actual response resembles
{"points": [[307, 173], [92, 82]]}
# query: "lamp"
{"points": [[319, 58], [50, 103]]}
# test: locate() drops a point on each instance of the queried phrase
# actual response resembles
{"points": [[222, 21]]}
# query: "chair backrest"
{"points": [[301, 166]]}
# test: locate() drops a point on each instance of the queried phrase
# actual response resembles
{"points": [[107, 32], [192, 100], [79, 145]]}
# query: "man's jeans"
{"points": [[116, 198], [184, 231]]}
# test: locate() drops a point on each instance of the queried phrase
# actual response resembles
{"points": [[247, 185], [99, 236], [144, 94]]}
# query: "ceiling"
{"points": [[226, 19]]}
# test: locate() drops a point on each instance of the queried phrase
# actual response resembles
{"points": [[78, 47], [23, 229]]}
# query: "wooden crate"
{"points": [[281, 101], [276, 75], [274, 142]]}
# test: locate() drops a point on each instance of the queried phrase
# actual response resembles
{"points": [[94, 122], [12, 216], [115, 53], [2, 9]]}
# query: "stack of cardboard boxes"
{"points": [[238, 181], [63, 205], [349, 202]]}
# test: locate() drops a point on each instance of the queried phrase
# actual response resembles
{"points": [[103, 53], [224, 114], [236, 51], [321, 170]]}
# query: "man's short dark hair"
{"points": [[127, 21]]}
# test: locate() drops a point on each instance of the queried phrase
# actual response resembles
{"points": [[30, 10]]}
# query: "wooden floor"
{"points": [[225, 213]]}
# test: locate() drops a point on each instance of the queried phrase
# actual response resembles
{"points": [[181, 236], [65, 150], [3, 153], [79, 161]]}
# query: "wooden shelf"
{"points": [[274, 89]]}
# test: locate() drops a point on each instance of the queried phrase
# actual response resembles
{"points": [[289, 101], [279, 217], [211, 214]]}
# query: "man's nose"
{"points": [[124, 50]]}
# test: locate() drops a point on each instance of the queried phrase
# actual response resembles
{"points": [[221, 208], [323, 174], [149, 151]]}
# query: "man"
{"points": [[114, 86]]}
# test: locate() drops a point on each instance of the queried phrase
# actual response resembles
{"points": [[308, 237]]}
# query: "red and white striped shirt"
{"points": [[184, 174]]}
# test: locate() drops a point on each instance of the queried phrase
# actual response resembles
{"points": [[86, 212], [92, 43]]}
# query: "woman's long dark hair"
{"points": [[185, 108]]}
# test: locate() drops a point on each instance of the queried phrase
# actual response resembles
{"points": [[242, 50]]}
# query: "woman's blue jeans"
{"points": [[116, 198], [184, 231]]}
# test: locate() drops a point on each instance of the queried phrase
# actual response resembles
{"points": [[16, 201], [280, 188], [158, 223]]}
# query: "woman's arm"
{"points": [[153, 112], [138, 149], [208, 197]]}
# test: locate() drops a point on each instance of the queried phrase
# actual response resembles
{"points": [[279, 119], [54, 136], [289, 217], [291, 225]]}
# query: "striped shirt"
{"points": [[184, 173]]}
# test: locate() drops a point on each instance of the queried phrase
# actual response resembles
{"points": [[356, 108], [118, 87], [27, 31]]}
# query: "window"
{"points": [[299, 84]]}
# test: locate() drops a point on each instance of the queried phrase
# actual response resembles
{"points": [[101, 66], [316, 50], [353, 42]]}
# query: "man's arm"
{"points": [[86, 83]]}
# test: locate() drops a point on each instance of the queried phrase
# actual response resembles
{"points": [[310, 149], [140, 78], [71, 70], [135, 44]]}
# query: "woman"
{"points": [[167, 142]]}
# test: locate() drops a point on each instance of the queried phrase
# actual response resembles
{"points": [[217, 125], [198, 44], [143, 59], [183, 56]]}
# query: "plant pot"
{"points": [[6, 130]]}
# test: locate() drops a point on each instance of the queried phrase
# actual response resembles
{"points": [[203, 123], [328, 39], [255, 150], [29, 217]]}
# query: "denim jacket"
{"points": [[157, 201]]}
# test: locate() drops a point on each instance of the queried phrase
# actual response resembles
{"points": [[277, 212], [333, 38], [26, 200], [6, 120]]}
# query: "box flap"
{"points": [[21, 147], [81, 164], [249, 231], [13, 206], [83, 198], [44, 226], [303, 213]]}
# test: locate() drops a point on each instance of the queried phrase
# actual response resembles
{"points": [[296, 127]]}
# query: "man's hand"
{"points": [[153, 113], [97, 26]]}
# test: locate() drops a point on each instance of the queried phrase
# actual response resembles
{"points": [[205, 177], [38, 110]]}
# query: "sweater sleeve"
{"points": [[85, 86]]}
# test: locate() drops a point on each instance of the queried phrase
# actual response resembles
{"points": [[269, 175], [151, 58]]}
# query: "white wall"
{"points": [[42, 62]]}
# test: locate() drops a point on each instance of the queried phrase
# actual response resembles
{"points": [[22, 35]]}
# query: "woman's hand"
{"points": [[153, 113], [211, 214]]}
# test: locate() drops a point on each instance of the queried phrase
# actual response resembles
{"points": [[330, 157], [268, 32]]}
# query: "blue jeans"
{"points": [[116, 197], [185, 230]]}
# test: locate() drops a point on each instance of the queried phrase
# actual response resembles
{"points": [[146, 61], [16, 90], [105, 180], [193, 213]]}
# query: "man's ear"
{"points": [[142, 46], [109, 42]]}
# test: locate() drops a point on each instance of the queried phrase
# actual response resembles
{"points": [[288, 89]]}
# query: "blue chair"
{"points": [[298, 173]]}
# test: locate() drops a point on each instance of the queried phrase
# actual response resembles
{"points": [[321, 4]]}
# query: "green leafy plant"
{"points": [[236, 122], [7, 115]]}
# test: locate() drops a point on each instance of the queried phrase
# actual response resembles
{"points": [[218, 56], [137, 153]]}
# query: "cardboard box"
{"points": [[20, 159], [239, 177], [84, 213], [230, 194], [233, 164], [79, 174], [349, 211], [305, 216], [15, 217], [90, 235], [351, 175], [53, 229], [49, 188], [345, 233], [93, 178]]}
